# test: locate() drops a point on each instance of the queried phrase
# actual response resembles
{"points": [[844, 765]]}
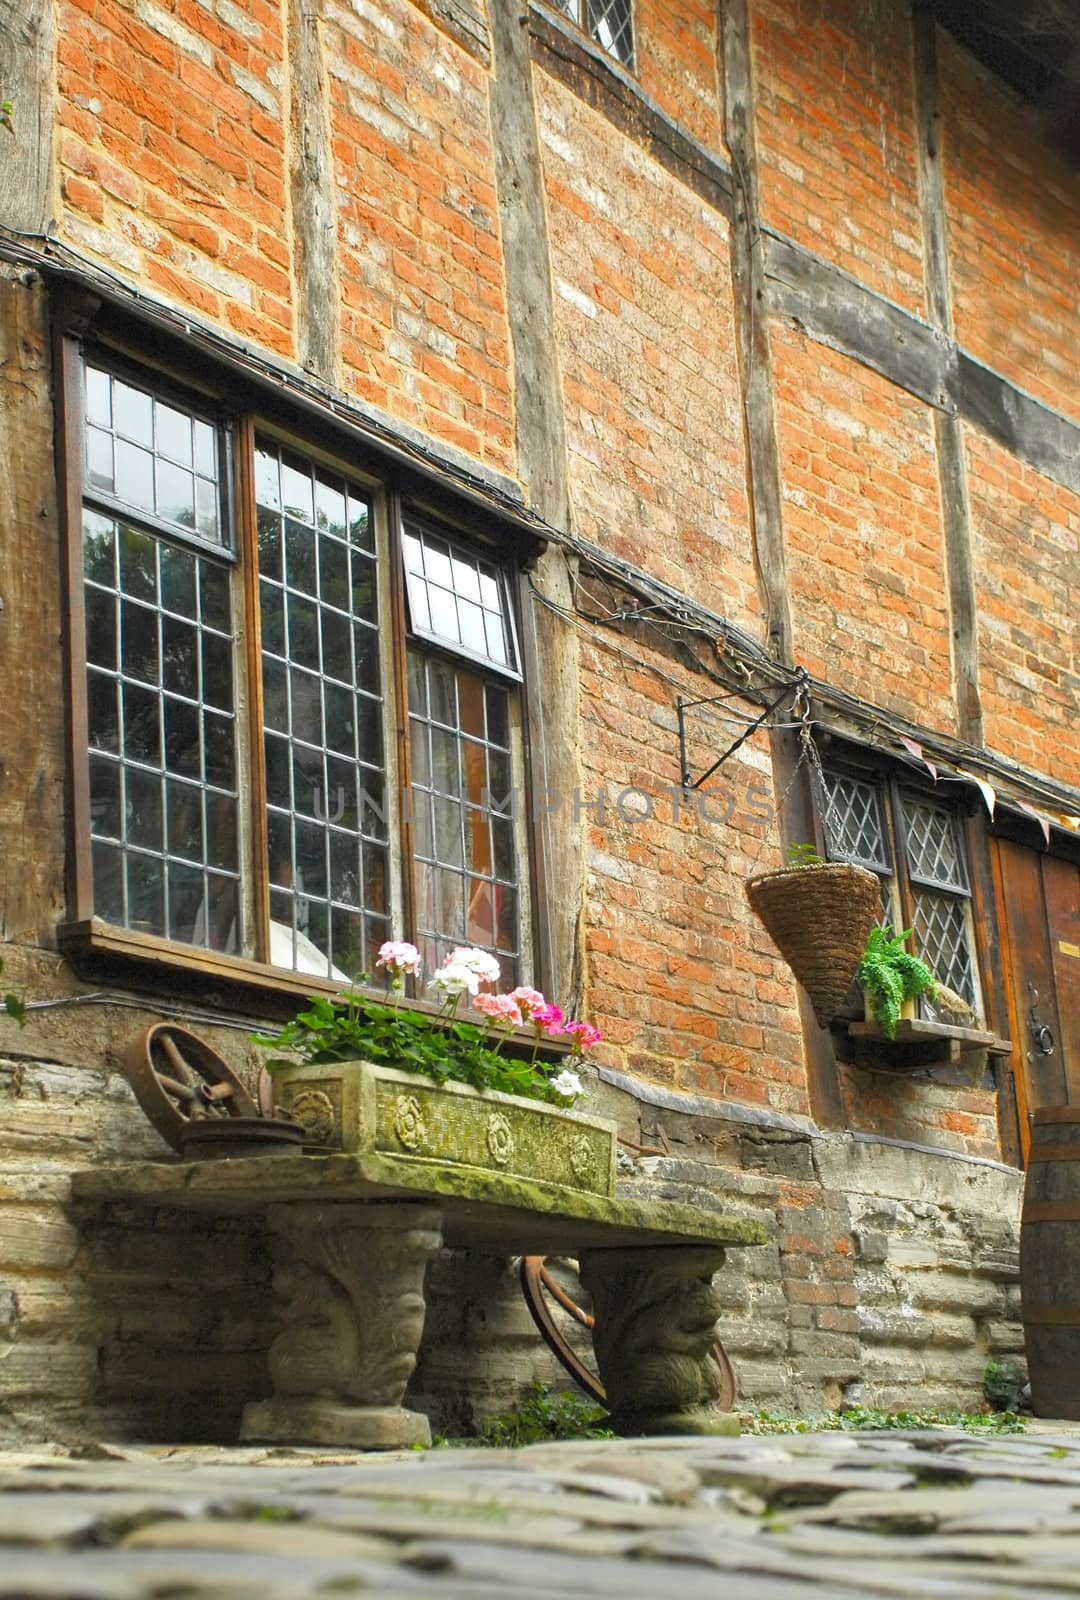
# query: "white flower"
{"points": [[568, 1084], [453, 980], [485, 966]]}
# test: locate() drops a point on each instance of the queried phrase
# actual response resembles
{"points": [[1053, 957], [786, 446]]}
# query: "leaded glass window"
{"points": [[856, 830], [323, 716], [608, 22], [463, 708], [160, 691], [258, 796], [940, 892], [924, 879]]}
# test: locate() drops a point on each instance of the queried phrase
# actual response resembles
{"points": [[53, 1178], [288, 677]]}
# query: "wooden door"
{"points": [[1039, 919]]}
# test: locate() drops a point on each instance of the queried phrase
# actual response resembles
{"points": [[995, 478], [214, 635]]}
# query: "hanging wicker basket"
{"points": [[819, 918]]}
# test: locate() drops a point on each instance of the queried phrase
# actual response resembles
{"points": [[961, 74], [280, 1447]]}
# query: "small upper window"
{"points": [[608, 22], [457, 599]]}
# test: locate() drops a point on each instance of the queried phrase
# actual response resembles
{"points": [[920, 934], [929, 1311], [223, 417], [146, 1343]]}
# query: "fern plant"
{"points": [[889, 975]]}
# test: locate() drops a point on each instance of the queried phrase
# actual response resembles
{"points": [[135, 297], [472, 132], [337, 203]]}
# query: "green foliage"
{"points": [[13, 1004], [354, 1028], [803, 854], [545, 1414], [6, 108], [859, 1419], [889, 974], [1003, 1382]]}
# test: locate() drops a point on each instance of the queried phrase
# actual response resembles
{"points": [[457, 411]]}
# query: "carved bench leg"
{"points": [[349, 1282], [656, 1312]]}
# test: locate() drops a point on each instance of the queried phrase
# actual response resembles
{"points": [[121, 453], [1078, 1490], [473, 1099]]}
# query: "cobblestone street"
{"points": [[934, 1513]]}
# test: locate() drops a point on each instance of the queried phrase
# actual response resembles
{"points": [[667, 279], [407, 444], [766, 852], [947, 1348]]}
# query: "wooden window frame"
{"points": [[241, 410]]}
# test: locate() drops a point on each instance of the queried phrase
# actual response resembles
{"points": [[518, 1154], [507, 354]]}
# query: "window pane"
{"points": [[151, 845], [320, 728], [942, 940], [854, 822], [609, 23], [455, 596], [147, 451], [469, 890], [935, 851]]}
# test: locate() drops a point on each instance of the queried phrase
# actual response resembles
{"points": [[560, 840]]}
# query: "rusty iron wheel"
{"points": [[178, 1079], [539, 1288]]}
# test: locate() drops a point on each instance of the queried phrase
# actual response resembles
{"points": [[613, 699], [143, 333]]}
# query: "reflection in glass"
{"points": [[142, 725], [108, 882], [174, 434], [100, 628], [143, 800], [179, 655], [183, 819], [99, 549], [178, 581], [105, 797], [219, 751], [137, 564], [175, 494], [134, 413], [101, 713], [134, 475], [139, 638], [182, 738]]}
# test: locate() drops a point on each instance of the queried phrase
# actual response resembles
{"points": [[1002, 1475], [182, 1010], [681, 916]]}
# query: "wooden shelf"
{"points": [[919, 1043]]}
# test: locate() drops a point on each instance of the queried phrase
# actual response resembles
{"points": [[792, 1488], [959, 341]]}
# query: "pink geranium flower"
{"points": [[582, 1034], [527, 1000], [397, 955], [500, 1008], [548, 1017]]}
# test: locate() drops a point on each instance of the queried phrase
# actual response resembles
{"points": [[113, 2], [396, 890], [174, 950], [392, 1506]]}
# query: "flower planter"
{"points": [[819, 918], [358, 1106]]}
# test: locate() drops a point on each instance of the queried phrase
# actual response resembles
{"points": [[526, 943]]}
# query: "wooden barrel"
{"points": [[1050, 1261]]}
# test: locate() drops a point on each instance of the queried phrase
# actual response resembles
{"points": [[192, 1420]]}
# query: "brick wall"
{"points": [[641, 276], [862, 520], [1027, 540], [836, 136], [679, 976], [425, 334], [677, 64], [172, 156], [1014, 234]]}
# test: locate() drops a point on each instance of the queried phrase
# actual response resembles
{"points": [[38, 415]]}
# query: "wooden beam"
{"points": [[314, 198], [548, 641], [837, 310], [463, 22], [752, 330], [948, 431], [27, 36]]}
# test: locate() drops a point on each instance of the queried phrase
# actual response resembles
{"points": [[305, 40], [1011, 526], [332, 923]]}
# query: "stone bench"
{"points": [[353, 1234]]}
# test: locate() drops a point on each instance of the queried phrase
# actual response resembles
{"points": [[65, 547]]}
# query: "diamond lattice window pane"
{"points": [[854, 823], [609, 23], [934, 850], [941, 933]]}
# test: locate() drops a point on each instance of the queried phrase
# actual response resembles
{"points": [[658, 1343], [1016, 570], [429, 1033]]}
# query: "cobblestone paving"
{"points": [[785, 1517]]}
